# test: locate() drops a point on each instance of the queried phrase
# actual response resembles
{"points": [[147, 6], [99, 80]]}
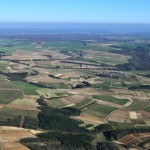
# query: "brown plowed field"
{"points": [[134, 138], [10, 135], [90, 118]]}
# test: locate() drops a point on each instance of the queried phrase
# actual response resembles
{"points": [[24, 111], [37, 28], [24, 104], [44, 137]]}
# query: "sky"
{"points": [[76, 11]]}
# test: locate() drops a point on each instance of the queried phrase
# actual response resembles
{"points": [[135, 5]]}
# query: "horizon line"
{"points": [[42, 22]]}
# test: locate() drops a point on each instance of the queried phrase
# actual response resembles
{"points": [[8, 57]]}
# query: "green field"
{"points": [[7, 96], [118, 126], [46, 91], [82, 103], [58, 86], [3, 65], [147, 108], [2, 78], [28, 89], [25, 102], [63, 45], [62, 94], [10, 113], [57, 102], [98, 110], [106, 61], [110, 99], [140, 72], [136, 105], [7, 84]]}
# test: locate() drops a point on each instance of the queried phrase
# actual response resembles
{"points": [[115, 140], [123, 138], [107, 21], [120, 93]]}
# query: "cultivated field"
{"points": [[10, 136], [90, 83]]}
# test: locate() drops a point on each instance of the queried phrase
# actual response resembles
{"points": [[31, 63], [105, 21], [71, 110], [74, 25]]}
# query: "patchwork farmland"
{"points": [[64, 89]]}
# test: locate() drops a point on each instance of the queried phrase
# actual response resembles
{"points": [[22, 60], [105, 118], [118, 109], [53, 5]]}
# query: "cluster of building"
{"points": [[115, 74], [73, 53]]}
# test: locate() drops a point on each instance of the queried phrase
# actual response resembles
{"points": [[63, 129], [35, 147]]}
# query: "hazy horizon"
{"points": [[86, 16], [74, 28]]}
